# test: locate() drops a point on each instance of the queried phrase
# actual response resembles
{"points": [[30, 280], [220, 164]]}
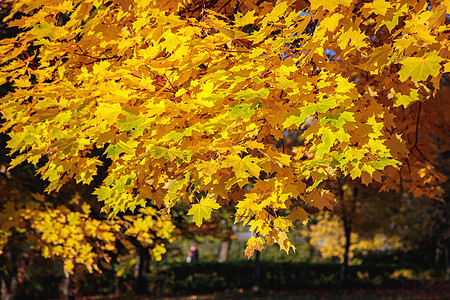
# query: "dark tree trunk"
{"points": [[224, 253], [257, 271], [348, 205], [344, 267], [141, 270], [9, 281], [447, 264]]}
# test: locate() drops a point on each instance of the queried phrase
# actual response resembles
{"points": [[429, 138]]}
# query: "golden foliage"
{"points": [[75, 238], [187, 99], [327, 236]]}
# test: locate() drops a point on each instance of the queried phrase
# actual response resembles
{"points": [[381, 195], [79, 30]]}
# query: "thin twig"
{"points": [[173, 88]]}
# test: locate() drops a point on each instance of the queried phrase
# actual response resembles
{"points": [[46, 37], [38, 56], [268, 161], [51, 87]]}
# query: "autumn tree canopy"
{"points": [[192, 101]]}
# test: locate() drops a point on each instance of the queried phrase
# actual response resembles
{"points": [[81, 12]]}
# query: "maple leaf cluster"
{"points": [[194, 108]]}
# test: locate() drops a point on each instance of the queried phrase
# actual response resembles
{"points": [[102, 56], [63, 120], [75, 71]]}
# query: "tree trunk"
{"points": [[224, 253], [9, 290], [141, 270], [447, 262], [257, 271], [348, 205], [9, 282], [344, 267], [66, 291]]}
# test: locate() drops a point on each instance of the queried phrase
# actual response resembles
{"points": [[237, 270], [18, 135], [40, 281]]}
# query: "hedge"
{"points": [[182, 278]]}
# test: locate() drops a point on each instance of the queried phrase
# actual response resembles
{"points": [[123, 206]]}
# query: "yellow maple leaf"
{"points": [[329, 4], [277, 12], [240, 166], [419, 68], [331, 22], [100, 67], [248, 18], [171, 42], [108, 112], [254, 243], [379, 7], [202, 210], [86, 208], [284, 242], [406, 100]]}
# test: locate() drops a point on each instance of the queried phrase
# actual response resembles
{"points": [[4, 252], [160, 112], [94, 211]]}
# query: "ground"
{"points": [[407, 291]]}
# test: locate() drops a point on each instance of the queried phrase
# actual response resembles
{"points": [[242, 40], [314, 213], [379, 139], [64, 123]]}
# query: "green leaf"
{"points": [[381, 163], [45, 29], [130, 122], [243, 111], [115, 150], [248, 94]]}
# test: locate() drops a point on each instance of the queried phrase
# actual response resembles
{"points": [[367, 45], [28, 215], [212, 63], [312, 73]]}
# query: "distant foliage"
{"points": [[327, 236], [75, 238]]}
